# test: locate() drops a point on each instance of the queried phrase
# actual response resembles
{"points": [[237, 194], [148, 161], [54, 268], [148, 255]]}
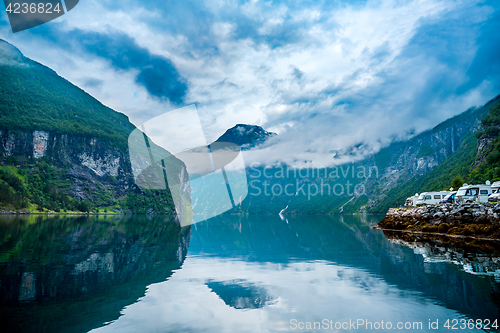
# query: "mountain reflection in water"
{"points": [[240, 294], [63, 273], [241, 274]]}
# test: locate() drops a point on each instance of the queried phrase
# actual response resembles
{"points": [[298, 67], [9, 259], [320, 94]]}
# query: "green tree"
{"points": [[457, 183]]}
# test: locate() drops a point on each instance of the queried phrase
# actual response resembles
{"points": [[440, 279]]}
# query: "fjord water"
{"points": [[232, 273]]}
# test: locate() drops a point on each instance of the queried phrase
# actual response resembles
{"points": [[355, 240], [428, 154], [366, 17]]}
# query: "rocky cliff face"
{"points": [[90, 156], [84, 160], [482, 148], [88, 168], [490, 130]]}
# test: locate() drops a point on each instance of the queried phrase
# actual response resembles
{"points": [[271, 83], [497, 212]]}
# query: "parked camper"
{"points": [[495, 187], [473, 193], [450, 198], [494, 197], [430, 198], [495, 192], [412, 201]]}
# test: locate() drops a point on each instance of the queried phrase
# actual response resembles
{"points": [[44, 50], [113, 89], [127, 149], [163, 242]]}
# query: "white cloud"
{"points": [[336, 79]]}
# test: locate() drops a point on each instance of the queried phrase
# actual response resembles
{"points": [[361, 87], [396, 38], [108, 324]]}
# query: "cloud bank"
{"points": [[325, 75]]}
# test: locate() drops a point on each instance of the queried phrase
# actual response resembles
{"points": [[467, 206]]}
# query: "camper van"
{"points": [[495, 187], [412, 201], [450, 198], [473, 193], [430, 198], [495, 192]]}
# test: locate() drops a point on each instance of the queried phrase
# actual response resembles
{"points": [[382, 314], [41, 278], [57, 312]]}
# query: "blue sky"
{"points": [[325, 75]]}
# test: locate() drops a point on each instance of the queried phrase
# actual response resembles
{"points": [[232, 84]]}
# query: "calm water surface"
{"points": [[238, 274]]}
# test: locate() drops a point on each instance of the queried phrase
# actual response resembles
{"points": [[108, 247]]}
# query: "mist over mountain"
{"points": [[426, 161]]}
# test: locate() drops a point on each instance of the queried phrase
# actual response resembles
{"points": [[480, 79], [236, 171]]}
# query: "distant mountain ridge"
{"points": [[246, 136], [427, 161]]}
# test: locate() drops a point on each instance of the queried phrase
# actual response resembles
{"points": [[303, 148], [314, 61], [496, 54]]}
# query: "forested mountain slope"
{"points": [[61, 149]]}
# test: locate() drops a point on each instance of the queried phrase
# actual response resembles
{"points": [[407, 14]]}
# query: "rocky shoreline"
{"points": [[481, 221], [60, 213]]}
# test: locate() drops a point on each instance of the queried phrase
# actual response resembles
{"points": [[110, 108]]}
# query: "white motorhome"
{"points": [[473, 193], [431, 198], [412, 201], [495, 187], [495, 192]]}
